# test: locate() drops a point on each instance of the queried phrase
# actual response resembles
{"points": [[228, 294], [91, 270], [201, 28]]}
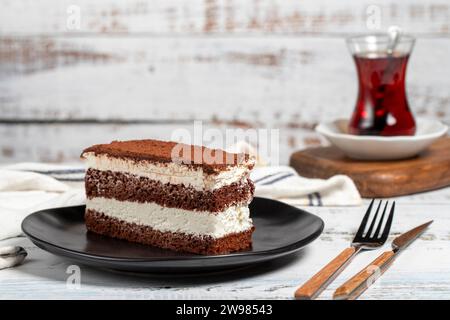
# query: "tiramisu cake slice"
{"points": [[169, 195]]}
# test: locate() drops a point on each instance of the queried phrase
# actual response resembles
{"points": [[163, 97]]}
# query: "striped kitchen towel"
{"points": [[29, 187], [284, 184], [68, 173]]}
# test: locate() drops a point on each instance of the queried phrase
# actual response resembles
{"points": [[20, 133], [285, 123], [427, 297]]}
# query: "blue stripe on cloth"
{"points": [[268, 176], [69, 179], [62, 171], [68, 175], [277, 179], [310, 199], [319, 199]]}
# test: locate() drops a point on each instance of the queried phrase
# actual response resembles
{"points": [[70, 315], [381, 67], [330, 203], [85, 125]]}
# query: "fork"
{"points": [[363, 241]]}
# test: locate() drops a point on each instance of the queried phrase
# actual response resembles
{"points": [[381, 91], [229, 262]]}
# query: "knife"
{"points": [[356, 285]]}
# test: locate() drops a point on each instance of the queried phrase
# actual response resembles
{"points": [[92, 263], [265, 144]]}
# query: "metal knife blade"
{"points": [[359, 283], [405, 239]]}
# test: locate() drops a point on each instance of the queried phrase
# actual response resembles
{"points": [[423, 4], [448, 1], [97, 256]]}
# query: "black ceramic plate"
{"points": [[280, 230]]}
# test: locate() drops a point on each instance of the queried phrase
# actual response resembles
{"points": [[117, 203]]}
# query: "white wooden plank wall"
{"points": [[145, 68]]}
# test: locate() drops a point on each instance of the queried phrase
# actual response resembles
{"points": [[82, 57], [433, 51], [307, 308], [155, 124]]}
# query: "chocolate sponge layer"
{"points": [[128, 187], [102, 224]]}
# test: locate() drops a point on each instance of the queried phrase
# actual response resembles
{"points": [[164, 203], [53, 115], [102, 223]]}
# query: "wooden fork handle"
{"points": [[314, 286], [356, 285]]}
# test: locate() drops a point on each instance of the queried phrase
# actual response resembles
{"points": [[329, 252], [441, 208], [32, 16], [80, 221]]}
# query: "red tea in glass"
{"points": [[382, 106]]}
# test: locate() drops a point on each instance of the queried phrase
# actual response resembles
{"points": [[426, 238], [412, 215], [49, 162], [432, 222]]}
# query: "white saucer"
{"points": [[382, 148]]}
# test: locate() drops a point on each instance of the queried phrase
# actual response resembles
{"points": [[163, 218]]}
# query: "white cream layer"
{"points": [[169, 172], [199, 223]]}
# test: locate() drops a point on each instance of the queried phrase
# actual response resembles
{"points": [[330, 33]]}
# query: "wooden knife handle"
{"points": [[356, 285], [314, 286]]}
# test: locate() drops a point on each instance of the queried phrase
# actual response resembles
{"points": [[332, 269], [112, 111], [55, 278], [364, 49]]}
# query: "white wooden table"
{"points": [[421, 272]]}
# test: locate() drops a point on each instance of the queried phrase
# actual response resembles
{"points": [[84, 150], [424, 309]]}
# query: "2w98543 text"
{"points": [[225, 309]]}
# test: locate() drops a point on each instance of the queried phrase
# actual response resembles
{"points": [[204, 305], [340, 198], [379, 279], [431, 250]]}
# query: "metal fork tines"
{"points": [[370, 239], [370, 235]]}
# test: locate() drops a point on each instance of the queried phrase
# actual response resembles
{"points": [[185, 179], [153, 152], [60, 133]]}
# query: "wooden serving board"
{"points": [[430, 170]]}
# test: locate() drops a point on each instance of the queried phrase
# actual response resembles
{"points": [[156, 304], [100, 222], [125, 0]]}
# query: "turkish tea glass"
{"points": [[382, 106]]}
